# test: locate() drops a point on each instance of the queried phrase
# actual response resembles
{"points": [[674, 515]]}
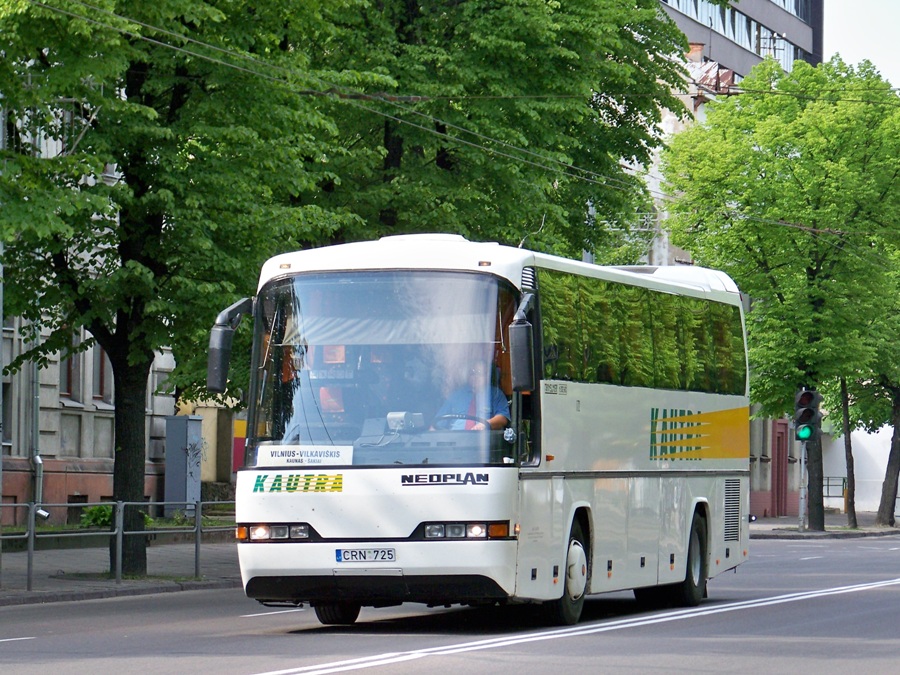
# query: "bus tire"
{"points": [[337, 613], [691, 591], [566, 611]]}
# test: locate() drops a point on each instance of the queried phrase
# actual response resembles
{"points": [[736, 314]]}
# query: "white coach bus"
{"points": [[608, 447]]}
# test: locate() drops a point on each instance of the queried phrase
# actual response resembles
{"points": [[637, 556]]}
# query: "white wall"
{"points": [[870, 454]]}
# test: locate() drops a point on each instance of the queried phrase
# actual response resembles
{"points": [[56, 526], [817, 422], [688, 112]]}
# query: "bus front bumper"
{"points": [[434, 573]]}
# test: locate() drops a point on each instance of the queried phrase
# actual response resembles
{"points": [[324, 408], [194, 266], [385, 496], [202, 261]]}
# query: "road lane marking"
{"points": [[280, 611], [575, 631], [16, 639]]}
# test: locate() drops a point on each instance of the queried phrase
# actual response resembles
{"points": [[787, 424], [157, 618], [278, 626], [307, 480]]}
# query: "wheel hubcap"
{"points": [[576, 570], [696, 563]]}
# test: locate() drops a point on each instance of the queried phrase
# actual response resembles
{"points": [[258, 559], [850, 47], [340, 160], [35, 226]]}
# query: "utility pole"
{"points": [[802, 524]]}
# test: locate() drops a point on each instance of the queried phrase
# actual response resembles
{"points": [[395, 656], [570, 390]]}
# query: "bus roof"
{"points": [[456, 253]]}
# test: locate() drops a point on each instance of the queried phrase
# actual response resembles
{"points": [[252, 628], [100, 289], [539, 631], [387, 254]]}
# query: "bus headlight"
{"points": [[278, 531], [477, 530], [260, 533], [456, 530], [300, 531], [434, 531], [266, 532]]}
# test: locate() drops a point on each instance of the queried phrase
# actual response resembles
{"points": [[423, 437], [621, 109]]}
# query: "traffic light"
{"points": [[807, 418]]}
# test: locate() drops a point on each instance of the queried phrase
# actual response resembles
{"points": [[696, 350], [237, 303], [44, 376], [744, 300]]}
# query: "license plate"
{"points": [[365, 555]]}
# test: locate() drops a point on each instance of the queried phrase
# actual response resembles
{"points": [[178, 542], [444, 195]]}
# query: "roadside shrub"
{"points": [[101, 516], [97, 516]]}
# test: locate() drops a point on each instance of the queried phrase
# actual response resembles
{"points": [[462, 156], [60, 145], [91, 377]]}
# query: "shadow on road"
{"points": [[483, 621]]}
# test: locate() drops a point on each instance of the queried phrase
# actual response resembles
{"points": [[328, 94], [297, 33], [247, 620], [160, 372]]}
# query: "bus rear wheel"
{"points": [[567, 610], [691, 591], [337, 613]]}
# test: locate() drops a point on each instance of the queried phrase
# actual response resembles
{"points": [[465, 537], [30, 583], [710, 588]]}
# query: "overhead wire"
{"points": [[350, 97], [736, 90], [336, 90]]}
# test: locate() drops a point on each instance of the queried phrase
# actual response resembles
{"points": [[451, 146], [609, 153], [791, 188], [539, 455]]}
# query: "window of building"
{"points": [[746, 32], [70, 373], [102, 375], [7, 419]]}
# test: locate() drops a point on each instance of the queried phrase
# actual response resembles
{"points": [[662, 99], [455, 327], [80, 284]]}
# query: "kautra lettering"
{"points": [[294, 482]]}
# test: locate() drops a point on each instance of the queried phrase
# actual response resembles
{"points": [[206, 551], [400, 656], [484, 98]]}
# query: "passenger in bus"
{"points": [[478, 404]]}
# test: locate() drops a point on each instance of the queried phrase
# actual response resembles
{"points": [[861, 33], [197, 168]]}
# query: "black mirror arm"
{"points": [[525, 306], [231, 315]]}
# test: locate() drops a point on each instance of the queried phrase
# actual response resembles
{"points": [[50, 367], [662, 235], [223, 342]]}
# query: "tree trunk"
{"points": [[393, 158], [130, 393], [848, 455], [814, 472], [885, 515]]}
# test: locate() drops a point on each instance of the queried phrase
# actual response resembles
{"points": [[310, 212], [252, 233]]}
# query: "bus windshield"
{"points": [[381, 368]]}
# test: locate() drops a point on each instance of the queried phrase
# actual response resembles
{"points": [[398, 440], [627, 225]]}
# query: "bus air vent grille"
{"points": [[732, 510], [529, 279]]}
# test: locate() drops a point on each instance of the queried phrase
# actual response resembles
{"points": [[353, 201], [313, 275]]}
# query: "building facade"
{"points": [[741, 35], [58, 429]]}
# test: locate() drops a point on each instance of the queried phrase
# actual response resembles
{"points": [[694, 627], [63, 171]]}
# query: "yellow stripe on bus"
{"points": [[723, 434]]}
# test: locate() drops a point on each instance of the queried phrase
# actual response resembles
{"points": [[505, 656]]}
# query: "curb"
{"points": [[45, 597], [816, 535]]}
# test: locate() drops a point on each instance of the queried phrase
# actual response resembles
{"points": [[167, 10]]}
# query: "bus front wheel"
{"points": [[567, 610], [337, 613]]}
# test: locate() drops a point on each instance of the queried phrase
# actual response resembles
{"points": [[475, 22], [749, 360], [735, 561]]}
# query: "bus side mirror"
{"points": [[220, 338], [521, 347], [521, 357]]}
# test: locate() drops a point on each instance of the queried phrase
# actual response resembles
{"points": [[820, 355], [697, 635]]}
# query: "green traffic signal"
{"points": [[807, 417]]}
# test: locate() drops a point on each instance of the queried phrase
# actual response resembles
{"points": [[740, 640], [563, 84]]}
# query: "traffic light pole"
{"points": [[803, 482], [807, 427]]}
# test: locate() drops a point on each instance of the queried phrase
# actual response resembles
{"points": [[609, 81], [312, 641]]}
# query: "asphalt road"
{"points": [[828, 606]]}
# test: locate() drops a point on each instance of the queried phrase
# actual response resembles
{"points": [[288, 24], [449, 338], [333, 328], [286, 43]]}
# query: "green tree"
{"points": [[791, 188], [501, 121], [500, 116], [142, 185], [191, 140], [873, 395]]}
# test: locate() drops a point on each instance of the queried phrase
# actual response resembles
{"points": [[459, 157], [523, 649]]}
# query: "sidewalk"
{"points": [[82, 574], [835, 527]]}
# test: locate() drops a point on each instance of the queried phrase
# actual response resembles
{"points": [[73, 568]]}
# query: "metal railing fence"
{"points": [[834, 486], [117, 532]]}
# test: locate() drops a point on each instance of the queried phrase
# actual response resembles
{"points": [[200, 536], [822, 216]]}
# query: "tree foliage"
{"points": [[190, 140], [791, 187], [201, 165], [498, 116]]}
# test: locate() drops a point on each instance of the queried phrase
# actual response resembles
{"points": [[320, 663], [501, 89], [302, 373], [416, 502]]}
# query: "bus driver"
{"points": [[478, 404]]}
